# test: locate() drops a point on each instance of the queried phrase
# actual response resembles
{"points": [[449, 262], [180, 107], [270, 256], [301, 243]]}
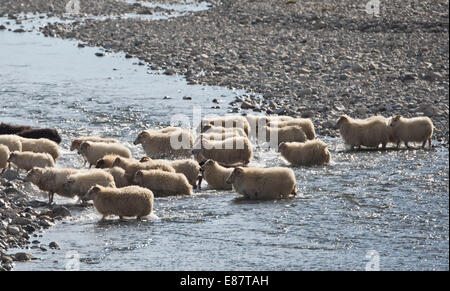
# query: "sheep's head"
{"points": [[145, 159], [34, 175], [84, 146], [117, 162], [91, 194], [342, 120], [207, 164], [100, 163], [67, 186], [205, 127], [395, 120], [237, 172], [282, 146], [12, 157], [75, 144], [141, 137], [138, 177]]}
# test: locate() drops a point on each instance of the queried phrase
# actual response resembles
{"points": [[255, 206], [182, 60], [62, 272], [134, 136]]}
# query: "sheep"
{"points": [[79, 183], [176, 143], [289, 133], [76, 142], [305, 124], [258, 121], [234, 131], [416, 129], [190, 168], [12, 129], [120, 178], [12, 142], [51, 180], [38, 133], [216, 175], [163, 183], [237, 150], [128, 201], [41, 145], [106, 162], [4, 156], [370, 132], [93, 151], [29, 160], [263, 183], [131, 167], [227, 122], [311, 152]]}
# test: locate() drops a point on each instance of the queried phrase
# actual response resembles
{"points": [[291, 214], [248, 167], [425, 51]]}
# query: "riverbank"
{"points": [[316, 60]]}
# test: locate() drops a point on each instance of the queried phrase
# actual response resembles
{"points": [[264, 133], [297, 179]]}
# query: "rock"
{"points": [[21, 221], [2, 203], [307, 114], [2, 27], [13, 230], [432, 76], [6, 259], [53, 245], [305, 92], [22, 257], [246, 105], [357, 68], [169, 72], [187, 98], [19, 30], [429, 110], [60, 211], [11, 175], [100, 54], [37, 203]]}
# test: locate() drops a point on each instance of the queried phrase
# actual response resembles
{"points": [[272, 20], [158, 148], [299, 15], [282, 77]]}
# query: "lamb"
{"points": [[120, 178], [304, 123], [370, 132], [163, 183], [38, 133], [416, 129], [12, 142], [128, 201], [76, 142], [190, 168], [12, 129], [284, 134], [51, 180], [237, 150], [41, 145], [4, 156], [131, 167], [311, 152], [29, 160], [226, 122], [176, 143], [216, 175], [93, 151], [106, 162], [263, 183], [80, 183]]}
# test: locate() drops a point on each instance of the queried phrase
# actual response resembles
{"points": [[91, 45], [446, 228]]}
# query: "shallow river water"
{"points": [[391, 206]]}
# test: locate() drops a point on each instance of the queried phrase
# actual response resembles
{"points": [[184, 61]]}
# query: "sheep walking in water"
{"points": [[131, 167], [216, 175], [163, 183], [309, 153], [6, 128], [76, 142], [289, 133], [225, 122], [29, 160], [93, 151], [176, 143], [4, 156], [237, 150], [38, 133], [12, 142], [79, 183], [263, 183], [370, 132], [304, 123], [124, 202], [41, 145], [416, 129]]}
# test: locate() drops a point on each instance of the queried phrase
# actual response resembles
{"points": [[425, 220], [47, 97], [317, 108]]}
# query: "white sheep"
{"points": [[41, 145], [93, 151], [263, 183], [234, 131], [4, 156], [76, 142], [163, 183], [416, 129], [231, 151], [12, 142], [177, 143], [107, 161], [369, 132], [216, 175], [304, 123], [51, 180], [311, 152], [124, 202], [29, 160], [260, 121], [289, 133], [226, 122], [131, 167], [120, 177], [79, 183]]}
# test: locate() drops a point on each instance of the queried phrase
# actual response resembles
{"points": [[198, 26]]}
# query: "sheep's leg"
{"points": [[424, 143], [398, 144], [90, 165], [406, 144], [200, 179], [50, 198], [4, 169], [294, 192], [429, 143], [383, 146]]}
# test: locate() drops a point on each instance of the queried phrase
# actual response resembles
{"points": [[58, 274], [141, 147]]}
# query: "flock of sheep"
{"points": [[124, 186]]}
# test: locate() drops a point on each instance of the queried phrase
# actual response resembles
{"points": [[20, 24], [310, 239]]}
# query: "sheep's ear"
{"points": [[397, 117], [238, 170]]}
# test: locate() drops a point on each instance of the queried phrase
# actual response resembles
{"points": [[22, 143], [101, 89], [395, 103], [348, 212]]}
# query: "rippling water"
{"points": [[392, 202]]}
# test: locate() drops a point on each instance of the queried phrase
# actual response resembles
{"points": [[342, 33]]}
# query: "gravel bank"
{"points": [[314, 59]]}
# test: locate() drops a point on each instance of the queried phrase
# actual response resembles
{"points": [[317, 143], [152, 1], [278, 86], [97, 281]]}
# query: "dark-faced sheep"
{"points": [[12, 129], [124, 202], [263, 183]]}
